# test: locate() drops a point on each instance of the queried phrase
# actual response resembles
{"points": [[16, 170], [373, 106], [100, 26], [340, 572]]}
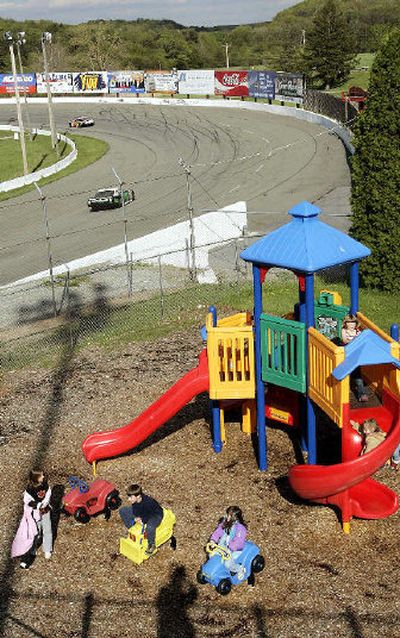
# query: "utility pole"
{"points": [[8, 36], [20, 42], [46, 38], [226, 45], [192, 252]]}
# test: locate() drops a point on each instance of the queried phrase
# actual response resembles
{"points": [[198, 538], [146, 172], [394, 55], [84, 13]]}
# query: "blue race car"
{"points": [[215, 572]]}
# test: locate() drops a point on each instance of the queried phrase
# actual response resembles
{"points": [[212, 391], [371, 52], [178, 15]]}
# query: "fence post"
{"points": [[128, 267], [161, 287], [49, 252]]}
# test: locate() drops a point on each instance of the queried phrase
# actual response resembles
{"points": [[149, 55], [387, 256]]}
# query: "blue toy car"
{"points": [[215, 572]]}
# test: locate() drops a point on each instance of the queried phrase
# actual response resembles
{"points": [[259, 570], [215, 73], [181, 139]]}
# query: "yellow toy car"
{"points": [[135, 545]]}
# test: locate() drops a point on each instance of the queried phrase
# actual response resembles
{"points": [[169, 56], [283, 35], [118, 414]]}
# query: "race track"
{"points": [[269, 161]]}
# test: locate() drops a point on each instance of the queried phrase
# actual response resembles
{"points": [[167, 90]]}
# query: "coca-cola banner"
{"points": [[231, 83]]}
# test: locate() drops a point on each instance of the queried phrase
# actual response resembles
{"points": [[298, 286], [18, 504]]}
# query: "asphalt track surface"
{"points": [[271, 162]]}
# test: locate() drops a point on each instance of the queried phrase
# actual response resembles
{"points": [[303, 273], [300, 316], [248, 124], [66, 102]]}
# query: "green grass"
{"points": [[359, 76], [39, 154], [90, 149], [116, 326]]}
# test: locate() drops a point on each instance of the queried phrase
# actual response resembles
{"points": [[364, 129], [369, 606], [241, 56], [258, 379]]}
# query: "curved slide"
{"points": [[103, 445], [367, 497]]}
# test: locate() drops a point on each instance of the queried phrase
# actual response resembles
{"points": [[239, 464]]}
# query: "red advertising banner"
{"points": [[231, 83]]}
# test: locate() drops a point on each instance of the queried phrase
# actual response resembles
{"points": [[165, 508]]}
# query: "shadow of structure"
{"points": [[78, 323], [173, 602]]}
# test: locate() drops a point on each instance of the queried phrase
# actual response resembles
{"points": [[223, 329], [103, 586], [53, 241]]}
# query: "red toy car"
{"points": [[86, 500]]}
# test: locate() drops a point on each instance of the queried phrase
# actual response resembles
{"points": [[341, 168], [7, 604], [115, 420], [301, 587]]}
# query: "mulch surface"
{"points": [[317, 581]]}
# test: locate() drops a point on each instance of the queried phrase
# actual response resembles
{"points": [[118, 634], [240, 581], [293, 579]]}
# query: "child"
{"points": [[350, 329], [395, 460], [35, 525], [145, 510], [231, 533], [372, 433]]}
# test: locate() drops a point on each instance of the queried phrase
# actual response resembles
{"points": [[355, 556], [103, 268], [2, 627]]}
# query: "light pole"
{"points": [[46, 39], [8, 37], [226, 45], [20, 42]]}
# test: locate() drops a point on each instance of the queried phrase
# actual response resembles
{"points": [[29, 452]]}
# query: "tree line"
{"points": [[304, 39]]}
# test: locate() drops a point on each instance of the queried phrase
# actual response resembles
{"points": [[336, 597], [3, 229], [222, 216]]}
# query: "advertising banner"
{"points": [[26, 83], [289, 87], [91, 82], [262, 84], [161, 82], [231, 83], [126, 82], [59, 82], [200, 82]]}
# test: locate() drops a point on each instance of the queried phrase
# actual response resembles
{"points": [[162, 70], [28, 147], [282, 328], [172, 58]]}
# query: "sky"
{"points": [[186, 12]]}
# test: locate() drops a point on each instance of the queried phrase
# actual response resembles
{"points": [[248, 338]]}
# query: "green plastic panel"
{"points": [[283, 352], [328, 316]]}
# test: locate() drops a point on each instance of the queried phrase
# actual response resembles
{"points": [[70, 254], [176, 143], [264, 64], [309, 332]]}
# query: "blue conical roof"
{"points": [[305, 244], [365, 350]]}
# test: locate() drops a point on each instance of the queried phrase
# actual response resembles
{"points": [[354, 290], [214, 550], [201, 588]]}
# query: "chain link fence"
{"points": [[115, 304], [331, 106]]}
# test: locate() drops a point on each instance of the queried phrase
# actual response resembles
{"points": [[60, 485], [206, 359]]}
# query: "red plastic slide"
{"points": [[103, 445], [366, 498]]}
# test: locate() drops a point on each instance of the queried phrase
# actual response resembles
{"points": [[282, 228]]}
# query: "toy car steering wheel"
{"points": [[75, 481], [212, 549]]}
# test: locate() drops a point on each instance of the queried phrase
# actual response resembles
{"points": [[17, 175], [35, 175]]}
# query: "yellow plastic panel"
{"points": [[231, 362], [324, 389], [135, 545]]}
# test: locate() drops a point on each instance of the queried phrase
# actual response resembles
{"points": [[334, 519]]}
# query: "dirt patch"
{"points": [[317, 581]]}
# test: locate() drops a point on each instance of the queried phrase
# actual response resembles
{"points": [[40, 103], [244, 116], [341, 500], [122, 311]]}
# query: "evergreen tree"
{"points": [[376, 172], [329, 51]]}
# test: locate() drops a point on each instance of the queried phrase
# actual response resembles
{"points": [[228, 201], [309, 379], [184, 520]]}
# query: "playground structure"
{"points": [[283, 368]]}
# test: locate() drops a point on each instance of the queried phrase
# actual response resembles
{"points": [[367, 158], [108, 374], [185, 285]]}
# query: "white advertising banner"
{"points": [[197, 82], [161, 82], [59, 83]]}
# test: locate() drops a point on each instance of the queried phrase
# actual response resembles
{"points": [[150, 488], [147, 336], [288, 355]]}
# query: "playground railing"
{"points": [[324, 389], [283, 347], [230, 352]]}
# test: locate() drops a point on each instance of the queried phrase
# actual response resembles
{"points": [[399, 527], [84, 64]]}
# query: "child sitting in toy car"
{"points": [[231, 533]]}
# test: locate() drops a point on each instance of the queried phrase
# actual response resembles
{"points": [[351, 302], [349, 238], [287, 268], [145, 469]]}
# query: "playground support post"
{"points": [[311, 433], [260, 390], [354, 270]]}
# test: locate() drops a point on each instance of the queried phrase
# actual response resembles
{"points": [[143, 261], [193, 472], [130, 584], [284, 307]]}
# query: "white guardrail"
{"points": [[17, 182]]}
